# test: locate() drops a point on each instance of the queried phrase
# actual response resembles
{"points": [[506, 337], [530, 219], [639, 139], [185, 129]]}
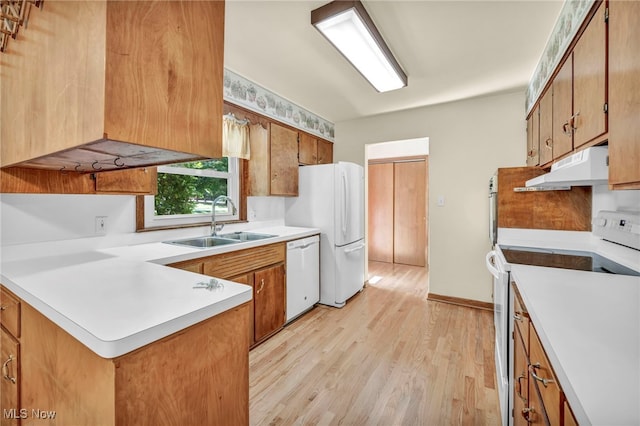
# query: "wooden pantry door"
{"points": [[381, 212], [398, 212]]}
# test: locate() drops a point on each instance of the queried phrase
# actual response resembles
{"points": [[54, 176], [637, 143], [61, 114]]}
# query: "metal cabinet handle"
{"points": [[3, 307], [5, 370], [548, 143], [517, 317], [526, 413], [544, 381], [519, 389], [261, 286]]}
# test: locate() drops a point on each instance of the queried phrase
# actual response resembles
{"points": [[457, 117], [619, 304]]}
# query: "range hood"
{"points": [[584, 168]]}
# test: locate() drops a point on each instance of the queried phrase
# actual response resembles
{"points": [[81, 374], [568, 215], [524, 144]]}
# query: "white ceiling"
{"points": [[450, 50]]}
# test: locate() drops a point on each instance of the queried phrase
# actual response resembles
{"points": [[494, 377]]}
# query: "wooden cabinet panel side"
{"points": [[171, 96], [198, 376], [624, 94], [52, 94], [61, 374]]}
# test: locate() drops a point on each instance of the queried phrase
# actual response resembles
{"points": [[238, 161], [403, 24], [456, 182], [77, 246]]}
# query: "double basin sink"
{"points": [[220, 240]]}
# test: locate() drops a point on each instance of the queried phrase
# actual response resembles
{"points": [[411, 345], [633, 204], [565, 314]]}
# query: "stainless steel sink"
{"points": [[246, 236], [203, 242]]}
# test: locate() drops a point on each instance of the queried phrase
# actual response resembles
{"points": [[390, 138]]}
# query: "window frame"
{"points": [[145, 205]]}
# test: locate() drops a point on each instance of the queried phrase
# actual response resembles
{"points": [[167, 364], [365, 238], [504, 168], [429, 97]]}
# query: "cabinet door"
{"points": [[589, 81], [284, 160], [624, 94], [247, 279], [307, 149], [269, 301], [546, 127], [325, 152], [533, 138], [562, 110], [520, 381], [9, 397]]}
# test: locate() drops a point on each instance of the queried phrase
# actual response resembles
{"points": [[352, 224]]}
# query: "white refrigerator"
{"points": [[331, 198]]}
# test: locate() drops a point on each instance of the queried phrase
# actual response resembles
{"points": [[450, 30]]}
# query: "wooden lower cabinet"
{"points": [[537, 396], [263, 268], [176, 380], [173, 381], [269, 301]]}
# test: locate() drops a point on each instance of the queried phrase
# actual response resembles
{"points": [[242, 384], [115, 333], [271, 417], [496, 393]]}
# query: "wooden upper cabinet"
{"points": [[97, 86], [533, 138], [589, 81], [325, 152], [308, 149], [562, 111], [314, 151], [546, 127], [624, 95], [283, 146]]}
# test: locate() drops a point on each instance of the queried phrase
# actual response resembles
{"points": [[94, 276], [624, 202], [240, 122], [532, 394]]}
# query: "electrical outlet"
{"points": [[101, 225]]}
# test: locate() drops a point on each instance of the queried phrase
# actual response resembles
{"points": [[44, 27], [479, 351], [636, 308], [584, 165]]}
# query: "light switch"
{"points": [[440, 200]]}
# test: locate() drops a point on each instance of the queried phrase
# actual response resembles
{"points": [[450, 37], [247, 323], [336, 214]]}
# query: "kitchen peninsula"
{"points": [[106, 334]]}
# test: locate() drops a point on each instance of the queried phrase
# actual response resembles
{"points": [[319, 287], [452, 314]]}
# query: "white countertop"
{"points": [[589, 326], [118, 299]]}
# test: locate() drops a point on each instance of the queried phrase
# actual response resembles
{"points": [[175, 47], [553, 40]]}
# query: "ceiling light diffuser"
{"points": [[348, 26]]}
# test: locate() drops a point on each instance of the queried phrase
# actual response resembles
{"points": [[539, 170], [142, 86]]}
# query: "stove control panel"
{"points": [[618, 227]]}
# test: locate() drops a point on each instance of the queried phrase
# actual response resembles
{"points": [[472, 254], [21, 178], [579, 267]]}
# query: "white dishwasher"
{"points": [[303, 275]]}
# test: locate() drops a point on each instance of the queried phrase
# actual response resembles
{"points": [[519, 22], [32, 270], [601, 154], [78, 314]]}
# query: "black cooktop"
{"points": [[565, 259]]}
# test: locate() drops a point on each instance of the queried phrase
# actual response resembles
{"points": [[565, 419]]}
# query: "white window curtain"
{"points": [[235, 137]]}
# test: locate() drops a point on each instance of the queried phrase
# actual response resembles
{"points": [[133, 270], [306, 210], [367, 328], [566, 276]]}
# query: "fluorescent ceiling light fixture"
{"points": [[348, 26]]}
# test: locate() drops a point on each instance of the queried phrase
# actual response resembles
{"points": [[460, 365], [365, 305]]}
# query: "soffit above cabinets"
{"points": [[105, 156]]}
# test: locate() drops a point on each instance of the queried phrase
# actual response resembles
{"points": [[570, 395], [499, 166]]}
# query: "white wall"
{"points": [[603, 199], [405, 148], [31, 218], [468, 141]]}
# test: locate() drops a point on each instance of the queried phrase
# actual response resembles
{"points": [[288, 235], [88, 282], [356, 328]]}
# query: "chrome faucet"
{"points": [[215, 228]]}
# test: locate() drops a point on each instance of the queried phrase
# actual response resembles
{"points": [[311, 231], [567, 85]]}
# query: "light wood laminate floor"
{"points": [[389, 357]]}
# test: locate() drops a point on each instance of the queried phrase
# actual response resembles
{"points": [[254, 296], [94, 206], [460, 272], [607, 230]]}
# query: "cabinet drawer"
{"points": [[541, 373], [235, 263], [10, 312], [10, 358]]}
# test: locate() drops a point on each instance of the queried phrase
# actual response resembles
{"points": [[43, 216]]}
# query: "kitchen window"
{"points": [[187, 190]]}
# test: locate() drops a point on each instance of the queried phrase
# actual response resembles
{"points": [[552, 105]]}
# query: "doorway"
{"points": [[397, 206]]}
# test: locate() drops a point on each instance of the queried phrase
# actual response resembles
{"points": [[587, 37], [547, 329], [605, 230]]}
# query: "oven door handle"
{"points": [[490, 261]]}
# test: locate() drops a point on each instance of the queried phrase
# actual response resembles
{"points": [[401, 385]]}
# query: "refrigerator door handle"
{"points": [[344, 204], [357, 248]]}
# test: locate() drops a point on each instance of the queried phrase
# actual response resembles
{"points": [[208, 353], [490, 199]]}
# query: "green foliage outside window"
{"points": [[190, 194]]}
